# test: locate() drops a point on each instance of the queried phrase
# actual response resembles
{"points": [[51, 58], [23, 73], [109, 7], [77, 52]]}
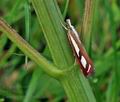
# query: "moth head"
{"points": [[69, 23]]}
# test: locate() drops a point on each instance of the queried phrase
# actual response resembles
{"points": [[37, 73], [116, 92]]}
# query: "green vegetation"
{"points": [[36, 60]]}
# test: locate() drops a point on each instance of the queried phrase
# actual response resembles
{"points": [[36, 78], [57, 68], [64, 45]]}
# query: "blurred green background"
{"points": [[20, 79]]}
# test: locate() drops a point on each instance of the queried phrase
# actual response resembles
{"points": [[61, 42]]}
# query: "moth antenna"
{"points": [[64, 26]]}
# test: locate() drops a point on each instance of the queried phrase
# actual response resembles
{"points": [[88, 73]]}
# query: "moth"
{"points": [[79, 51]]}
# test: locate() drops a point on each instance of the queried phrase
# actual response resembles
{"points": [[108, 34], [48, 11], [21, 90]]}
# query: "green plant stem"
{"points": [[48, 67], [47, 13], [75, 84], [27, 25], [77, 87], [88, 22], [66, 7]]}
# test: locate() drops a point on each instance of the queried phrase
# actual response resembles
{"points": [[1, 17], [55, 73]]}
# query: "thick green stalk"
{"points": [[75, 84], [48, 67], [49, 19], [77, 87]]}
